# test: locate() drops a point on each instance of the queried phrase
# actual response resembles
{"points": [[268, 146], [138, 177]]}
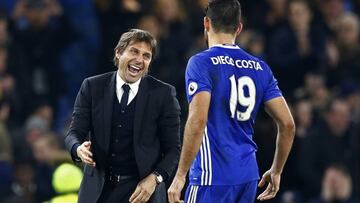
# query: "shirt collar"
{"points": [[228, 46], [134, 87]]}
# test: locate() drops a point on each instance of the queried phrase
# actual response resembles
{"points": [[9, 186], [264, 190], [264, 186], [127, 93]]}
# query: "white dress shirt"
{"points": [[134, 87]]}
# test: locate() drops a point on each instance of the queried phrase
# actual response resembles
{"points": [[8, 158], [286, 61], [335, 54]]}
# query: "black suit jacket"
{"points": [[156, 130]]}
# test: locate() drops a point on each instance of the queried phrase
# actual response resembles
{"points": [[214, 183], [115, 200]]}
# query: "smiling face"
{"points": [[134, 61]]}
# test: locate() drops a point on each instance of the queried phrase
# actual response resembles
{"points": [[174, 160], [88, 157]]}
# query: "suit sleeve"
{"points": [[80, 121], [169, 123]]}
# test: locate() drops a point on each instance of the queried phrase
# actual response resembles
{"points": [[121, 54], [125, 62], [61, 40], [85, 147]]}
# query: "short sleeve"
{"points": [[272, 89], [197, 77]]}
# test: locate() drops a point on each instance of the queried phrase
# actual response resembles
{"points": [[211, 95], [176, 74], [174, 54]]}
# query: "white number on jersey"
{"points": [[238, 96]]}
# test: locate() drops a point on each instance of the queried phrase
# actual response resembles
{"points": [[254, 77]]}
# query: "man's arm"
{"points": [[79, 127], [169, 125], [193, 135], [280, 113]]}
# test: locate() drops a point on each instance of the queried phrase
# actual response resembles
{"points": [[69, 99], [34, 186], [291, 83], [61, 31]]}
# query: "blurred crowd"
{"points": [[47, 47]]}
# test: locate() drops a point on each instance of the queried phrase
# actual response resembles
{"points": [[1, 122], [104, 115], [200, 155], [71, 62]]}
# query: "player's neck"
{"points": [[221, 38]]}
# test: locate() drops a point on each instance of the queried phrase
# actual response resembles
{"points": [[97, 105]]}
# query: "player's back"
{"points": [[238, 83]]}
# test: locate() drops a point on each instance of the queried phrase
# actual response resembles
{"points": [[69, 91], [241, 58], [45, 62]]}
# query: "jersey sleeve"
{"points": [[272, 89], [197, 77]]}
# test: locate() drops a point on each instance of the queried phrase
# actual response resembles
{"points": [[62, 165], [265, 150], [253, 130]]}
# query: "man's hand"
{"points": [[174, 191], [84, 153], [144, 189], [273, 180]]}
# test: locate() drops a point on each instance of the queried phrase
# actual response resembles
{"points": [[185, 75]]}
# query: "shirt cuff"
{"points": [[74, 153]]}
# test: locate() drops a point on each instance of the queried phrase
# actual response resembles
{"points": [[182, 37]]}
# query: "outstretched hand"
{"points": [[273, 180], [84, 153]]}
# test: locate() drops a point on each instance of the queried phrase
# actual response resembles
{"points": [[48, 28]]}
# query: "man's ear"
{"points": [[117, 54], [239, 29], [206, 24]]}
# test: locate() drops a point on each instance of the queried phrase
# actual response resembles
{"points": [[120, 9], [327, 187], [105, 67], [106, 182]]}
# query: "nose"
{"points": [[139, 58]]}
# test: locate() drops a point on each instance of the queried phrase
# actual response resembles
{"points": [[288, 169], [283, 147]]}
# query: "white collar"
{"points": [[134, 87]]}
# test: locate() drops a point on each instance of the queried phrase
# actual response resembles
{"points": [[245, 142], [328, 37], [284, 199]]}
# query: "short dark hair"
{"points": [[225, 15], [135, 35]]}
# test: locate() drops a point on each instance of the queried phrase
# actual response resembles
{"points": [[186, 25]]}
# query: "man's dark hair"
{"points": [[132, 36], [225, 15]]}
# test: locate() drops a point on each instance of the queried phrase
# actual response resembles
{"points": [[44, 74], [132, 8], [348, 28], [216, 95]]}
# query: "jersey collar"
{"points": [[227, 46]]}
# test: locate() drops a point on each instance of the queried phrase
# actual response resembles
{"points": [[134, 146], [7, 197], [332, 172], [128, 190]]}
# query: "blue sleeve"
{"points": [[197, 77], [271, 89]]}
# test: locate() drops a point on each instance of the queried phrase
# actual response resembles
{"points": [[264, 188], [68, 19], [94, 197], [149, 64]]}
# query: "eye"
{"points": [[134, 51], [147, 57]]}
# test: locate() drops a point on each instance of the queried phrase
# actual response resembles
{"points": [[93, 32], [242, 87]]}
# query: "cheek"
{"points": [[147, 64], [122, 64]]}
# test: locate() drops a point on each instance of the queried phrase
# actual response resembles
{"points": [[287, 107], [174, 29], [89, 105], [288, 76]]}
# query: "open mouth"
{"points": [[134, 69]]}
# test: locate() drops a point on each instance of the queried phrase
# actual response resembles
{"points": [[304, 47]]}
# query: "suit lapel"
{"points": [[142, 97], [109, 92]]}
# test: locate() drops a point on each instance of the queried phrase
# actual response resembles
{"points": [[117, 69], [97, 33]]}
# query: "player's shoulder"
{"points": [[199, 57], [252, 57], [200, 60], [259, 60]]}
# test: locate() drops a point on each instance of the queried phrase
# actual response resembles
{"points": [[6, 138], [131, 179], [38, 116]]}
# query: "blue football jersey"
{"points": [[238, 83]]}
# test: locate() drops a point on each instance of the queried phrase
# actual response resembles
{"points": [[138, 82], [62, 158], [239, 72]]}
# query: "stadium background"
{"points": [[47, 47]]}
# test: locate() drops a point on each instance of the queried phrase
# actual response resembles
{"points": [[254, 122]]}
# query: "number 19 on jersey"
{"points": [[238, 96]]}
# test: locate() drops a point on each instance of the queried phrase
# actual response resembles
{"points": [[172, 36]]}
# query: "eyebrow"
{"points": [[146, 52]]}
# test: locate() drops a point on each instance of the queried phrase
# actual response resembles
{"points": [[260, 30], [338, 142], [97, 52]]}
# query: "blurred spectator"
{"points": [[344, 54], [267, 16], [5, 142], [351, 92], [195, 11], [7, 81], [38, 38], [36, 125], [3, 30], [296, 48], [303, 116], [79, 56], [253, 42], [6, 156], [47, 150], [115, 16], [9, 90], [336, 186], [23, 187], [330, 12], [151, 24], [330, 142], [173, 43], [175, 35], [316, 91], [47, 155]]}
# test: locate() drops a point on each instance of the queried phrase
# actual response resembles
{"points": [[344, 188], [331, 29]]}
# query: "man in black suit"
{"points": [[125, 128]]}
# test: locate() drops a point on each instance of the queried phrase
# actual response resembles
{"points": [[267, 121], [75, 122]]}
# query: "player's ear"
{"points": [[206, 23], [239, 29], [117, 53]]}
